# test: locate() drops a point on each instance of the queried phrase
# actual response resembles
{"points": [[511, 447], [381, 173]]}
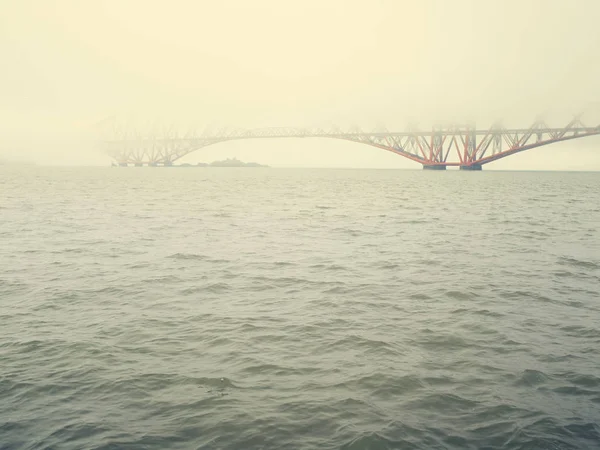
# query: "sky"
{"points": [[69, 64]]}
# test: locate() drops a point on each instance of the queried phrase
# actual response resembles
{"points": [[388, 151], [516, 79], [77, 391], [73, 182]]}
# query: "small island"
{"points": [[229, 162]]}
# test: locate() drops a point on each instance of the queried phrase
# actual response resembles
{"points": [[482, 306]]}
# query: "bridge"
{"points": [[466, 147]]}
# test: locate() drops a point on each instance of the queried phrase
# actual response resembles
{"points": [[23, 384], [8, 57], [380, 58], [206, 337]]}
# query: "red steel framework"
{"points": [[464, 146]]}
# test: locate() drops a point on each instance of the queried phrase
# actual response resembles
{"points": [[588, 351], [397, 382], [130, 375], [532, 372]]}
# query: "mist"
{"points": [[67, 65]]}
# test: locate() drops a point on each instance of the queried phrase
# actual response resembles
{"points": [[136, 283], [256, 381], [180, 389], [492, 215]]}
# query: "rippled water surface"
{"points": [[298, 309]]}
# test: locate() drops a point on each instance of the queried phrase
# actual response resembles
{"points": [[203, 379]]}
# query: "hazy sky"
{"points": [[68, 64]]}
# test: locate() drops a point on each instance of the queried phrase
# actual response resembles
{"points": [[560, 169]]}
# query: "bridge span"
{"points": [[466, 147]]}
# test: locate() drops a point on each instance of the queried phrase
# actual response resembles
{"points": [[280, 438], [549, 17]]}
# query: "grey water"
{"points": [[149, 308]]}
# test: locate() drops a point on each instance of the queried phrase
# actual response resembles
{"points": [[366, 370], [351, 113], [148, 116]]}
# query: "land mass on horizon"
{"points": [[229, 162]]}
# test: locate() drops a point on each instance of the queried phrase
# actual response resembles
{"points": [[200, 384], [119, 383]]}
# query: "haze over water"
{"points": [[299, 309]]}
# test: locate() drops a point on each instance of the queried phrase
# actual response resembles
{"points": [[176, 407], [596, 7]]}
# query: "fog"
{"points": [[67, 65]]}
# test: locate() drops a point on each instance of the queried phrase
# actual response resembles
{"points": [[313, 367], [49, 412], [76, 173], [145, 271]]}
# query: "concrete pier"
{"points": [[434, 167], [471, 167]]}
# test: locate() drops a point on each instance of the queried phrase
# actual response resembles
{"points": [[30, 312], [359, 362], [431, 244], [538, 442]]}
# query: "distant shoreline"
{"points": [[233, 162], [5, 162]]}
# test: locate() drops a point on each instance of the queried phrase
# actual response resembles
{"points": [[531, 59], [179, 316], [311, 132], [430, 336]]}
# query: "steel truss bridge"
{"points": [[467, 147]]}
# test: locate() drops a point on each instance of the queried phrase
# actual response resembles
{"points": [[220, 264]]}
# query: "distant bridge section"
{"points": [[466, 147]]}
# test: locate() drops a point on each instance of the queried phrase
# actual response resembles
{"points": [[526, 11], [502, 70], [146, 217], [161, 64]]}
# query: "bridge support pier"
{"points": [[434, 167], [123, 164], [471, 167]]}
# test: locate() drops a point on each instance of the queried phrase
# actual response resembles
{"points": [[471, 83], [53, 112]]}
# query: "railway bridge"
{"points": [[466, 147]]}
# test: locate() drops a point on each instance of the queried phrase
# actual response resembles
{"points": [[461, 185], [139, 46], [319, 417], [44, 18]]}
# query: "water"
{"points": [[298, 309]]}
